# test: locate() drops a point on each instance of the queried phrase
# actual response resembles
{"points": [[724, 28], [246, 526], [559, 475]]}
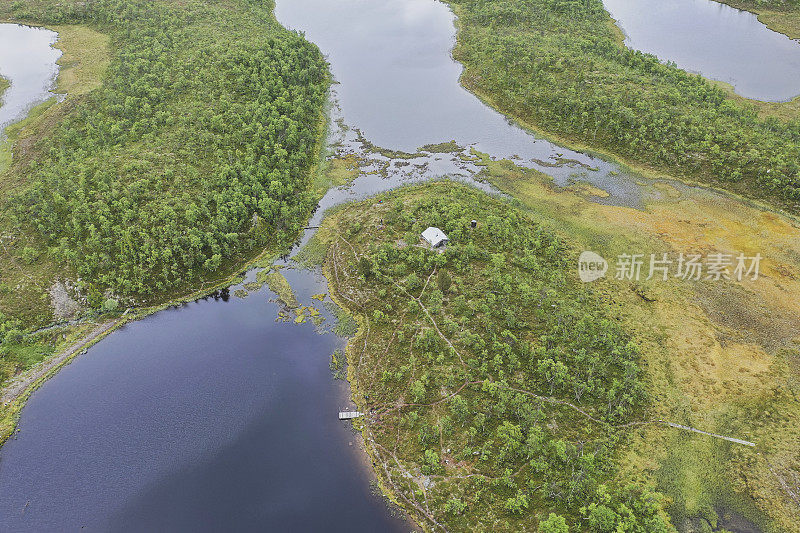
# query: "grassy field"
{"points": [[24, 289], [724, 357], [714, 352], [718, 356], [25, 301], [84, 61]]}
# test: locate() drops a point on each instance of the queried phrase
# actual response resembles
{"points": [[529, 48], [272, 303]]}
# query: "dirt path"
{"points": [[17, 387]]}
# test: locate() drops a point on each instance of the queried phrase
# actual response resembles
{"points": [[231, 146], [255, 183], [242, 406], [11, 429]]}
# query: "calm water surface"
{"points": [[216, 416], [202, 418], [715, 40], [207, 417], [399, 86], [28, 61]]}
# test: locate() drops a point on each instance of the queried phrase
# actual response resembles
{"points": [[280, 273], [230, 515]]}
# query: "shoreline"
{"points": [[776, 205], [369, 457], [40, 375], [350, 389], [363, 452], [645, 171], [361, 425], [49, 366], [4, 84], [27, 382], [362, 340], [762, 12]]}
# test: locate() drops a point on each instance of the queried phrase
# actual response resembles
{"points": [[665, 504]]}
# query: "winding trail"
{"points": [[383, 457], [20, 384]]}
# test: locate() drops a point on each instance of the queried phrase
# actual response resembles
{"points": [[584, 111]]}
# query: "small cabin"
{"points": [[435, 237]]}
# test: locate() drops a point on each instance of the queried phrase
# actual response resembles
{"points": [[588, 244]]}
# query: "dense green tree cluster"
{"points": [[556, 63], [524, 315], [473, 354], [195, 151]]}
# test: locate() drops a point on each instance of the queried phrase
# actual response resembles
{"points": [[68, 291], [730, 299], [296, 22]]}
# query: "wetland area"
{"points": [[220, 412]]}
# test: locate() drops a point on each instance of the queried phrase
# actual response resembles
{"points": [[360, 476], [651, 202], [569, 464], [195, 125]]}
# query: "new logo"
{"points": [[591, 266]]}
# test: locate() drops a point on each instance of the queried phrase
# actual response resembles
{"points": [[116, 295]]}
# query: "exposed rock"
{"points": [[64, 306]]}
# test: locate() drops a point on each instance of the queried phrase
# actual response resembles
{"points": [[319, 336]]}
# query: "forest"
{"points": [[559, 65], [195, 151], [497, 389], [192, 156]]}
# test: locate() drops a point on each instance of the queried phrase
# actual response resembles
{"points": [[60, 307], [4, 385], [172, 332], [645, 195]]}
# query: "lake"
{"points": [[215, 415], [715, 40], [200, 418]]}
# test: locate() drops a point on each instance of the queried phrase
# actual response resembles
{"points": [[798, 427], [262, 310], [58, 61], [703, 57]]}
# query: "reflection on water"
{"points": [[208, 417], [715, 40], [399, 86], [216, 416], [28, 61]]}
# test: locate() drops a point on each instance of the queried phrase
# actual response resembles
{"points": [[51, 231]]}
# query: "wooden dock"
{"points": [[349, 415], [730, 439]]}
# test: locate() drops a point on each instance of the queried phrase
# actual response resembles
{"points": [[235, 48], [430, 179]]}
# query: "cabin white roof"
{"points": [[434, 236]]}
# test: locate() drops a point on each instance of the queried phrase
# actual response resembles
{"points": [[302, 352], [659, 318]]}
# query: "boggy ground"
{"points": [[497, 388], [720, 356], [561, 68]]}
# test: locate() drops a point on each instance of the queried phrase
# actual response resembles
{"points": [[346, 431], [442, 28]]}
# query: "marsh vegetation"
{"points": [[497, 388]]}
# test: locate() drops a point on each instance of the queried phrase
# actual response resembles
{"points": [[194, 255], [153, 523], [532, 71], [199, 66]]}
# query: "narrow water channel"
{"points": [[398, 84], [218, 415], [715, 40]]}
